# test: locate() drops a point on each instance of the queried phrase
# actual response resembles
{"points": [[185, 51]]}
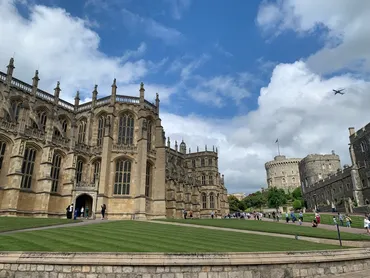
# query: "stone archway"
{"points": [[86, 201]]}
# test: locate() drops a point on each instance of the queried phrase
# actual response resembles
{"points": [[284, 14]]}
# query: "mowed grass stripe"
{"points": [[134, 236], [272, 227], [19, 223]]}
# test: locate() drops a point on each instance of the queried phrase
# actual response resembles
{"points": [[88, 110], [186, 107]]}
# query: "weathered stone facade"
{"points": [[158, 265], [109, 151], [283, 173]]}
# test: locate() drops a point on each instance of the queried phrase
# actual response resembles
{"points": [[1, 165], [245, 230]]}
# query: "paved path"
{"points": [[83, 223], [322, 226], [311, 239]]}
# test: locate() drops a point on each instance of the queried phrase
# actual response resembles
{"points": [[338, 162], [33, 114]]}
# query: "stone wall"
{"points": [[159, 265]]}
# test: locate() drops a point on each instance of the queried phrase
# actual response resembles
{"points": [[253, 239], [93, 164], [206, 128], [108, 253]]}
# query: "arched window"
{"points": [[42, 119], [122, 177], [27, 167], [126, 129], [15, 108], [54, 173], [210, 179], [149, 135], [203, 181], [202, 162], [193, 163], [212, 201], [204, 200], [96, 176], [210, 161], [82, 132], [79, 169], [101, 123], [148, 179], [2, 152]]}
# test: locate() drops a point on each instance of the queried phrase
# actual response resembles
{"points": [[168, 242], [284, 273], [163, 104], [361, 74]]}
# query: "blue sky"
{"points": [[234, 74]]}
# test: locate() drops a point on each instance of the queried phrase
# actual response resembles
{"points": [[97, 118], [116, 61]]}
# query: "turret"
{"points": [[57, 93], [157, 103], [183, 147], [168, 142], [142, 91], [77, 99], [94, 96], [176, 146], [35, 83], [9, 73], [114, 92]]}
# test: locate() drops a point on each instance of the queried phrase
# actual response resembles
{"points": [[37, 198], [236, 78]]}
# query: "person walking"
{"points": [[103, 209]]}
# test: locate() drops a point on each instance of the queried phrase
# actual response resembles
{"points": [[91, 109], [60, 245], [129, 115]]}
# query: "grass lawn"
{"points": [[19, 223], [357, 221], [272, 227], [135, 236]]}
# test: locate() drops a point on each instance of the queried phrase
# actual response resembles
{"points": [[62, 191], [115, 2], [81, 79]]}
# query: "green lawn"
{"points": [[135, 236], [272, 227], [357, 221], [19, 223]]}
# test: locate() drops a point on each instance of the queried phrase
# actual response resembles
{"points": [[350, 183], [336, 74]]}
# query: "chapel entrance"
{"points": [[84, 201]]}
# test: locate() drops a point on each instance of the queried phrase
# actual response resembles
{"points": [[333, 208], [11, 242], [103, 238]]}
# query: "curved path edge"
{"points": [[358, 244]]}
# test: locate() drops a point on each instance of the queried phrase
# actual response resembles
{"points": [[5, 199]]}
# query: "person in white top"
{"points": [[82, 212], [367, 224]]}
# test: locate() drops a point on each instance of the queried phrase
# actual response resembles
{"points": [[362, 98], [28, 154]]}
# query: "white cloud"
{"points": [[134, 53], [346, 25], [63, 48], [298, 107], [221, 50], [151, 28], [178, 7]]}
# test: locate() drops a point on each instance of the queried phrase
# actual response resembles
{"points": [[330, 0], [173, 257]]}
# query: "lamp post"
{"points": [[340, 240]]}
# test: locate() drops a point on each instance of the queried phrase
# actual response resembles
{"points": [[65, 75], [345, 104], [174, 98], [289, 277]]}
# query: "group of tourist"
{"points": [[82, 212], [342, 219]]}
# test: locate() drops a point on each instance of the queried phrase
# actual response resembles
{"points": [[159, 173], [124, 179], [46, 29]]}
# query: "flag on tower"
{"points": [[277, 140]]}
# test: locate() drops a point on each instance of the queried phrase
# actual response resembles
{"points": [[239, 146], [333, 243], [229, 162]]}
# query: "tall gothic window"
{"points": [[211, 201], [126, 129], [15, 108], [81, 132], [204, 200], [203, 180], [210, 161], [2, 152], [96, 172], [148, 179], [122, 177], [149, 135], [193, 163], [42, 119], [54, 173], [202, 162], [27, 167], [101, 122], [79, 169], [218, 201], [210, 179]]}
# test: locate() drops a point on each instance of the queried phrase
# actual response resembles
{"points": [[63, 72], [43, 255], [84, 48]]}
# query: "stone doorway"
{"points": [[85, 201]]}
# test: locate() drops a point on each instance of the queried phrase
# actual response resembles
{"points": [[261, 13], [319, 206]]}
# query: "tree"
{"points": [[297, 204], [276, 197], [255, 200], [297, 193], [235, 204]]}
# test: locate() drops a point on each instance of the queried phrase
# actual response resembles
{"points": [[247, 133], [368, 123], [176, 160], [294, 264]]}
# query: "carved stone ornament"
{"points": [[145, 124], [74, 161], [50, 157], [21, 148]]}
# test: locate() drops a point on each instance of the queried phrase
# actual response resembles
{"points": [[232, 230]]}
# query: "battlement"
{"points": [[355, 135], [339, 175], [281, 161], [319, 157], [28, 90]]}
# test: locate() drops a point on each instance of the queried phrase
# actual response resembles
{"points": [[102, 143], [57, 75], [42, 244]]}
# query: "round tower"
{"points": [[283, 172], [183, 147], [315, 167]]}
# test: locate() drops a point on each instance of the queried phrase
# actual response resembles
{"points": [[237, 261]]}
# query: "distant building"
{"points": [[283, 173], [239, 196]]}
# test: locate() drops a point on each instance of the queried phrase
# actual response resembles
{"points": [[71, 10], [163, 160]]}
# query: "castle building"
{"points": [[283, 173], [326, 185], [110, 151], [240, 196]]}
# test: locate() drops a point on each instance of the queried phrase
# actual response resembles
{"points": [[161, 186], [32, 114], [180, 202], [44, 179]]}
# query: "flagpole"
{"points": [[278, 147]]}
